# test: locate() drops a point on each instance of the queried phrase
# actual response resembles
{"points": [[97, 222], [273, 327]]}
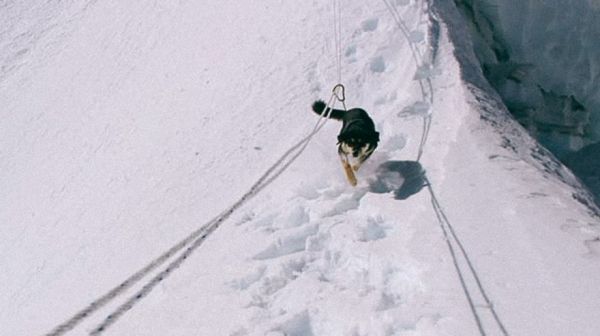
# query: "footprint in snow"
{"points": [[334, 192], [248, 280], [317, 242], [417, 109], [309, 191], [387, 98], [593, 246], [587, 233], [387, 301], [416, 36], [396, 142], [269, 280], [350, 51], [425, 71], [399, 286], [371, 230], [346, 203], [370, 25], [295, 217], [264, 223], [377, 65], [245, 218]]}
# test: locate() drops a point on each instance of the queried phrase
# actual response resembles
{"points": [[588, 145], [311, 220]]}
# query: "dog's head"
{"points": [[358, 138], [357, 145]]}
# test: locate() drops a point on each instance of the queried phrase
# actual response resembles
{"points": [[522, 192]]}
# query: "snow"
{"points": [[127, 126]]}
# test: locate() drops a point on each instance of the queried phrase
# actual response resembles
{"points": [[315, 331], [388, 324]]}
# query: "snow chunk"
{"points": [[299, 325], [287, 245]]}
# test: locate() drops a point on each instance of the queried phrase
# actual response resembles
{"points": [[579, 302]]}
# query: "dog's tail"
{"points": [[319, 107]]}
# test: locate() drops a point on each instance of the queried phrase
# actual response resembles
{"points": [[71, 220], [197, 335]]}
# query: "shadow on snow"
{"points": [[404, 178]]}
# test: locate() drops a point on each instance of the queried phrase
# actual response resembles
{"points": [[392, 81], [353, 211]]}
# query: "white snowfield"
{"points": [[128, 125]]}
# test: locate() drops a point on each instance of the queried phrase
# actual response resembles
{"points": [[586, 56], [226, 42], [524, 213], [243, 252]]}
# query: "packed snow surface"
{"points": [[129, 125]]}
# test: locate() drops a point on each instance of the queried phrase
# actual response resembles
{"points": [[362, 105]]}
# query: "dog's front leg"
{"points": [[364, 157], [348, 170]]}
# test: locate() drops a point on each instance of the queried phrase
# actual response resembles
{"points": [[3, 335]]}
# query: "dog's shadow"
{"points": [[403, 178]]}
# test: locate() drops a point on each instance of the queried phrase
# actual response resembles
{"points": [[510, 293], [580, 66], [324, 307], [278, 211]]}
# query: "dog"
{"points": [[357, 138]]}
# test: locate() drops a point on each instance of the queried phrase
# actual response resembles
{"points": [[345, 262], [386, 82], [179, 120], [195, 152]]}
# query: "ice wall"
{"points": [[561, 39], [543, 58]]}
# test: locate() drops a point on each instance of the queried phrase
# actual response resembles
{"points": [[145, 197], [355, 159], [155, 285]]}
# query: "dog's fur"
{"points": [[357, 137]]}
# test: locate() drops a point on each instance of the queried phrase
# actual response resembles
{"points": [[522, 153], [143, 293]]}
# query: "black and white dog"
{"points": [[358, 137]]}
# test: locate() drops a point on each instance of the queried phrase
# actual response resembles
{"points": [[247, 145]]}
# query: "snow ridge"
{"points": [[170, 140], [310, 239], [423, 108], [305, 237]]}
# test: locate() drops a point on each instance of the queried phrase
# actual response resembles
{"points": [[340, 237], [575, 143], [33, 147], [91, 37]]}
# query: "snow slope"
{"points": [[126, 126]]}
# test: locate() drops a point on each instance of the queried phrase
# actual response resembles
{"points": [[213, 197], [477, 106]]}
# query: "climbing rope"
{"points": [[442, 219], [189, 244], [427, 95], [425, 84], [337, 29], [446, 227], [193, 240]]}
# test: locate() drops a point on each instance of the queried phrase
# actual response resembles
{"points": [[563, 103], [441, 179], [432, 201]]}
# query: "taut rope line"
{"points": [[337, 29]]}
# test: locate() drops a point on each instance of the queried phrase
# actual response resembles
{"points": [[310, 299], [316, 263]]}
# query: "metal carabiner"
{"points": [[342, 90]]}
